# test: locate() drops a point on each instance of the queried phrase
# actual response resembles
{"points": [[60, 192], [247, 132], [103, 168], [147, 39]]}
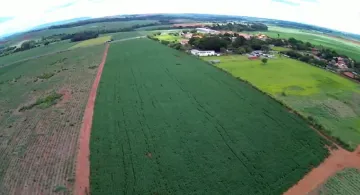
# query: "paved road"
{"points": [[39, 56]]}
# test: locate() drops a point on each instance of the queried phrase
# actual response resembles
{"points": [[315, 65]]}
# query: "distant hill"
{"points": [[44, 26], [59, 23]]}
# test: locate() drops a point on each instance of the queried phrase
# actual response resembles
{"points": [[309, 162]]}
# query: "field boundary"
{"points": [[82, 172], [321, 133]]}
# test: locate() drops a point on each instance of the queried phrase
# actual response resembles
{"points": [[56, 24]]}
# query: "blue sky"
{"points": [[18, 15]]}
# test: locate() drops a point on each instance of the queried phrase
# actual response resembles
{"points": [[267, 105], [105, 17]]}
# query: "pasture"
{"points": [[91, 42], [330, 99], [41, 108], [345, 182], [168, 37], [169, 123], [340, 45]]}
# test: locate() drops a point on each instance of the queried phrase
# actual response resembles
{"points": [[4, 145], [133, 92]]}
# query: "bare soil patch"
{"points": [[38, 152], [338, 160], [82, 174]]}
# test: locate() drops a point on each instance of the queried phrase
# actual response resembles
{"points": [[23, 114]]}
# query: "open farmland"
{"points": [[168, 123], [41, 108], [87, 27], [124, 35], [340, 45], [345, 182], [91, 42], [34, 52], [331, 100]]}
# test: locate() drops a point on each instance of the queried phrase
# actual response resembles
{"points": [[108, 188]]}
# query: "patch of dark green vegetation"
{"points": [[60, 188], [43, 102], [46, 75], [92, 67]]}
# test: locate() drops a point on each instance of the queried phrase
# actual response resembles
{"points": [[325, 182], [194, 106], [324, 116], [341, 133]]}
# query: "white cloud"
{"points": [[342, 15]]}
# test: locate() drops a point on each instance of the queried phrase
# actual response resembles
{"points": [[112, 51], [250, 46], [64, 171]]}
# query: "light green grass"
{"points": [[332, 100], [345, 182], [166, 122], [168, 37], [316, 38], [91, 42], [280, 49]]}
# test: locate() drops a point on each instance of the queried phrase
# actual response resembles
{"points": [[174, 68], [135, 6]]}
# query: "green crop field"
{"points": [[166, 122], [345, 182], [38, 51], [341, 46], [124, 35], [331, 100]]}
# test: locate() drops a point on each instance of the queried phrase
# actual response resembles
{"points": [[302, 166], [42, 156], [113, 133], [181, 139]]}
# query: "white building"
{"points": [[206, 30], [202, 53]]}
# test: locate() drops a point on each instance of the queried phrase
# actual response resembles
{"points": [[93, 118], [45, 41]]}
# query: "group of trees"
{"points": [[305, 58], [228, 42], [239, 27]]}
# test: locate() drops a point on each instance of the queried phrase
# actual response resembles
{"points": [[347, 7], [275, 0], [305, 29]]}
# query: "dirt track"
{"points": [[338, 160], [82, 164]]}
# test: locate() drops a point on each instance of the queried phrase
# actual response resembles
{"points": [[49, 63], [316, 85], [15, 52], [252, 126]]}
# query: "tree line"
{"points": [[239, 27]]}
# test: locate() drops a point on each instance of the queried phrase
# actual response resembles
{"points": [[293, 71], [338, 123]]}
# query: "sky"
{"points": [[19, 15]]}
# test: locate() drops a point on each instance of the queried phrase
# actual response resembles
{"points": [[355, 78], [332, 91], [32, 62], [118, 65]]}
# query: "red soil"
{"points": [[66, 96], [82, 174], [338, 160]]}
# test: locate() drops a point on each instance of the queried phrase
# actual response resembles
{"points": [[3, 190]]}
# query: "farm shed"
{"points": [[202, 53]]}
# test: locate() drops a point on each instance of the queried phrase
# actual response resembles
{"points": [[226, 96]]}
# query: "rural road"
{"points": [[39, 56]]}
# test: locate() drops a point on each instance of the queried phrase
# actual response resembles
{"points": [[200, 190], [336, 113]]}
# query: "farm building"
{"points": [[349, 74], [246, 36], [202, 53], [206, 31], [250, 57], [184, 41]]}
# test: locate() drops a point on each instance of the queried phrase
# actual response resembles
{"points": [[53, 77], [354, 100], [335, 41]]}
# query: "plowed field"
{"points": [[38, 143]]}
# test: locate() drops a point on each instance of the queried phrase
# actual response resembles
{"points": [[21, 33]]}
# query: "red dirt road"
{"points": [[338, 160], [82, 174]]}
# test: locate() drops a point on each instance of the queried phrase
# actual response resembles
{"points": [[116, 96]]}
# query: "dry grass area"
{"points": [[38, 144]]}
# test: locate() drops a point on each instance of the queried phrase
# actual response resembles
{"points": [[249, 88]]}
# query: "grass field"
{"points": [[168, 37], [341, 46], [41, 108], [345, 182], [280, 49], [168, 123], [332, 100], [35, 52], [91, 42]]}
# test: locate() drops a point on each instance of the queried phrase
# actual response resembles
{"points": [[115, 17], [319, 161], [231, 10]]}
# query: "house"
{"points": [[203, 53], [184, 41], [349, 74], [262, 37], [246, 36], [188, 35], [253, 57]]}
